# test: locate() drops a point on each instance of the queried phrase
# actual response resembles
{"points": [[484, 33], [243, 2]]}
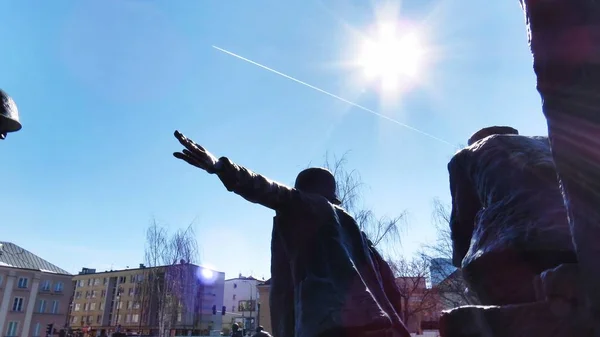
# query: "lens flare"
{"points": [[391, 56], [207, 273]]}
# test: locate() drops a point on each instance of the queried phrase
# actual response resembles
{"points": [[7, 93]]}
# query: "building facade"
{"points": [[33, 293], [241, 302], [180, 299], [440, 269], [264, 308]]}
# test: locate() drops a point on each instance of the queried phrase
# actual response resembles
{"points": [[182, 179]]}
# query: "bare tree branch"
{"points": [[420, 301], [452, 287], [168, 285], [349, 190]]}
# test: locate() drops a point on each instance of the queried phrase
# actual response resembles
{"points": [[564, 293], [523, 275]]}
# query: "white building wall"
{"points": [[219, 287], [236, 290]]}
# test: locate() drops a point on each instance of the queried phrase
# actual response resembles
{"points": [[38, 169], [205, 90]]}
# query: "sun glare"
{"points": [[391, 56]]}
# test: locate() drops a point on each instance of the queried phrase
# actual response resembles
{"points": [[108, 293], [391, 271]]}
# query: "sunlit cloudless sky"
{"points": [[102, 85]]}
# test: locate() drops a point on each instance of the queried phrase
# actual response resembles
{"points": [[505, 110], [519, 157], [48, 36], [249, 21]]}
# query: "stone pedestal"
{"points": [[561, 311]]}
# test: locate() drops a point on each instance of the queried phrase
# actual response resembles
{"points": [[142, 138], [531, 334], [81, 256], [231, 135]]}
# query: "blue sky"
{"points": [[101, 86]]}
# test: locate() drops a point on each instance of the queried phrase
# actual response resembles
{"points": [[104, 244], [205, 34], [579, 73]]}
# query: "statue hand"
{"points": [[195, 154]]}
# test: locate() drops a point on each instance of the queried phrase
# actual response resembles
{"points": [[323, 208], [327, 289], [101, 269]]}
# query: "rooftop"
{"points": [[14, 256], [243, 278], [89, 271]]}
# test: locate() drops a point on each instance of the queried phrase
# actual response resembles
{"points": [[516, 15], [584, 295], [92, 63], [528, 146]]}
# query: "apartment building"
{"points": [[264, 308], [33, 293], [137, 300], [241, 302]]}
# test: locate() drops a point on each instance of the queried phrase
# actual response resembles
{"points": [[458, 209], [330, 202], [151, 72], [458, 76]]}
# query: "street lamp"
{"points": [[251, 301]]}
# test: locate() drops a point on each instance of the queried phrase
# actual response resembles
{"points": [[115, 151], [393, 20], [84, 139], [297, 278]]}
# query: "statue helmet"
{"points": [[491, 130], [319, 181], [9, 115]]}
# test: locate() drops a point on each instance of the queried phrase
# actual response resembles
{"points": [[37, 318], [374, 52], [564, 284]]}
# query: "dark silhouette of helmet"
{"points": [[319, 181], [9, 115], [492, 130]]}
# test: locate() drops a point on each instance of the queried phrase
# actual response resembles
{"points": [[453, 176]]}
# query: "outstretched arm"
{"points": [[251, 186], [465, 205]]}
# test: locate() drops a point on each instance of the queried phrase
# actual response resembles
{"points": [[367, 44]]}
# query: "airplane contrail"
{"points": [[333, 95]]}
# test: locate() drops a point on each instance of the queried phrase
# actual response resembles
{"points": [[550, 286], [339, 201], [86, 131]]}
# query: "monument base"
{"points": [[559, 312]]}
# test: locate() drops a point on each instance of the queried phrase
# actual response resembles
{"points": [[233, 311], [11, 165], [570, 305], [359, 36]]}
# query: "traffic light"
{"points": [[214, 309], [223, 311], [49, 328]]}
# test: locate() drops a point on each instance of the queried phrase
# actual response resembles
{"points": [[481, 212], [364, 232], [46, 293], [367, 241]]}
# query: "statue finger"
{"points": [[183, 140], [188, 159], [188, 142], [191, 154], [197, 145]]}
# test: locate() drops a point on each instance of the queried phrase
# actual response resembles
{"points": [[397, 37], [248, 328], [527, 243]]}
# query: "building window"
{"points": [[94, 293], [98, 319], [119, 318], [234, 297], [128, 318], [105, 281], [97, 282], [135, 318], [90, 282], [120, 305], [55, 305], [23, 282], [122, 279], [130, 291], [58, 287], [36, 329], [18, 304], [88, 294], [12, 329], [77, 306], [234, 285], [85, 307], [45, 285], [178, 317], [42, 307], [101, 305], [129, 304], [136, 305], [92, 306], [80, 284], [78, 294]]}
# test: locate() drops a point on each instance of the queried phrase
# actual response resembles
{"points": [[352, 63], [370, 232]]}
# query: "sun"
{"points": [[391, 56]]}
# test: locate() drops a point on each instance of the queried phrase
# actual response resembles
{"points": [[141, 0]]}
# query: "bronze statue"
{"points": [[564, 41], [508, 219], [335, 277], [9, 115]]}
